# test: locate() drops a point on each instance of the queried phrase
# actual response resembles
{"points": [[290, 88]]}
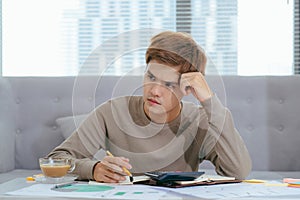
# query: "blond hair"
{"points": [[177, 49]]}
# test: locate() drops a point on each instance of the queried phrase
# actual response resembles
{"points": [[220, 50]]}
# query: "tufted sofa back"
{"points": [[265, 110]]}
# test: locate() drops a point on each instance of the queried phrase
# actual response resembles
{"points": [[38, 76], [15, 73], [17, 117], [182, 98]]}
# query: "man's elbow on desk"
{"points": [[243, 170], [243, 173], [242, 167], [240, 171]]}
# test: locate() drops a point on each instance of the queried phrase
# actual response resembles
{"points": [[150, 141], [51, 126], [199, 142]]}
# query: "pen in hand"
{"points": [[124, 169]]}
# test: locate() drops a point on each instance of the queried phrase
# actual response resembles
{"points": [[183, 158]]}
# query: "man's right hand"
{"points": [[109, 170]]}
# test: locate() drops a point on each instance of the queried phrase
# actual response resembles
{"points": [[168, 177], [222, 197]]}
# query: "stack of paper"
{"points": [[294, 184]]}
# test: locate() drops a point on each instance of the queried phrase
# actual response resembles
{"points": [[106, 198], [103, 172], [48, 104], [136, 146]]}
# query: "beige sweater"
{"points": [[120, 125]]}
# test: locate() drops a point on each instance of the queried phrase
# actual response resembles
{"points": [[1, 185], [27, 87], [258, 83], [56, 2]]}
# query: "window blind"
{"points": [[184, 16]]}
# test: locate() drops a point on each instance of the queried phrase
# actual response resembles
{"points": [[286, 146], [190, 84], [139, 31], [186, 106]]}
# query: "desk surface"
{"points": [[19, 183]]}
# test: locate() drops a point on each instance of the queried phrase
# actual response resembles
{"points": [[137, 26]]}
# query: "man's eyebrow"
{"points": [[169, 82], [148, 71]]}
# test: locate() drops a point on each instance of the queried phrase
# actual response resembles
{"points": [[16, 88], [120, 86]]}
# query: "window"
{"points": [[71, 37]]}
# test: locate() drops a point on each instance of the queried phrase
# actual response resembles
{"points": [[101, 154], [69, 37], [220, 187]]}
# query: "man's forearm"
{"points": [[228, 153]]}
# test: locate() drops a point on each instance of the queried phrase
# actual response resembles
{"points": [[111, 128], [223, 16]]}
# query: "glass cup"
{"points": [[56, 169]]}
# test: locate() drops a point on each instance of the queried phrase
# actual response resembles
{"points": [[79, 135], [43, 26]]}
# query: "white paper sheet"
{"points": [[112, 192], [223, 191], [239, 190]]}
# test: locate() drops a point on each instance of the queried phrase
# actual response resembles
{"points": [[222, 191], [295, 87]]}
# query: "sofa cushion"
{"points": [[69, 124], [7, 132]]}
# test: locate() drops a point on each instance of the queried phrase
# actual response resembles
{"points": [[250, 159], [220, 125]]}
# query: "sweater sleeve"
{"points": [[223, 145], [82, 145]]}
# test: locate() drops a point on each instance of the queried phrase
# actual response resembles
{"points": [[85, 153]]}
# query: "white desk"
{"points": [[19, 183]]}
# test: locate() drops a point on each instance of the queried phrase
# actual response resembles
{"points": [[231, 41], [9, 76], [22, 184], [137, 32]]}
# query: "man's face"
{"points": [[162, 93]]}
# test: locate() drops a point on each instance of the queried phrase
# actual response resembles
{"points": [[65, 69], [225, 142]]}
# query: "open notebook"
{"points": [[204, 179]]}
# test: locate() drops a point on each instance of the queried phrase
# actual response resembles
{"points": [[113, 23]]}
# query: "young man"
{"points": [[158, 131]]}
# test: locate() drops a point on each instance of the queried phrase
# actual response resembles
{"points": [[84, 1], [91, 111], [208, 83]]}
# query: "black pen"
{"points": [[62, 185]]}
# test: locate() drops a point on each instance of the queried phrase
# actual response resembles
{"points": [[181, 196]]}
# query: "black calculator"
{"points": [[173, 176]]}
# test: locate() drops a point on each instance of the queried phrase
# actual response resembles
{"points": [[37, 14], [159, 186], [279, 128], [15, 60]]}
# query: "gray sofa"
{"points": [[33, 109]]}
